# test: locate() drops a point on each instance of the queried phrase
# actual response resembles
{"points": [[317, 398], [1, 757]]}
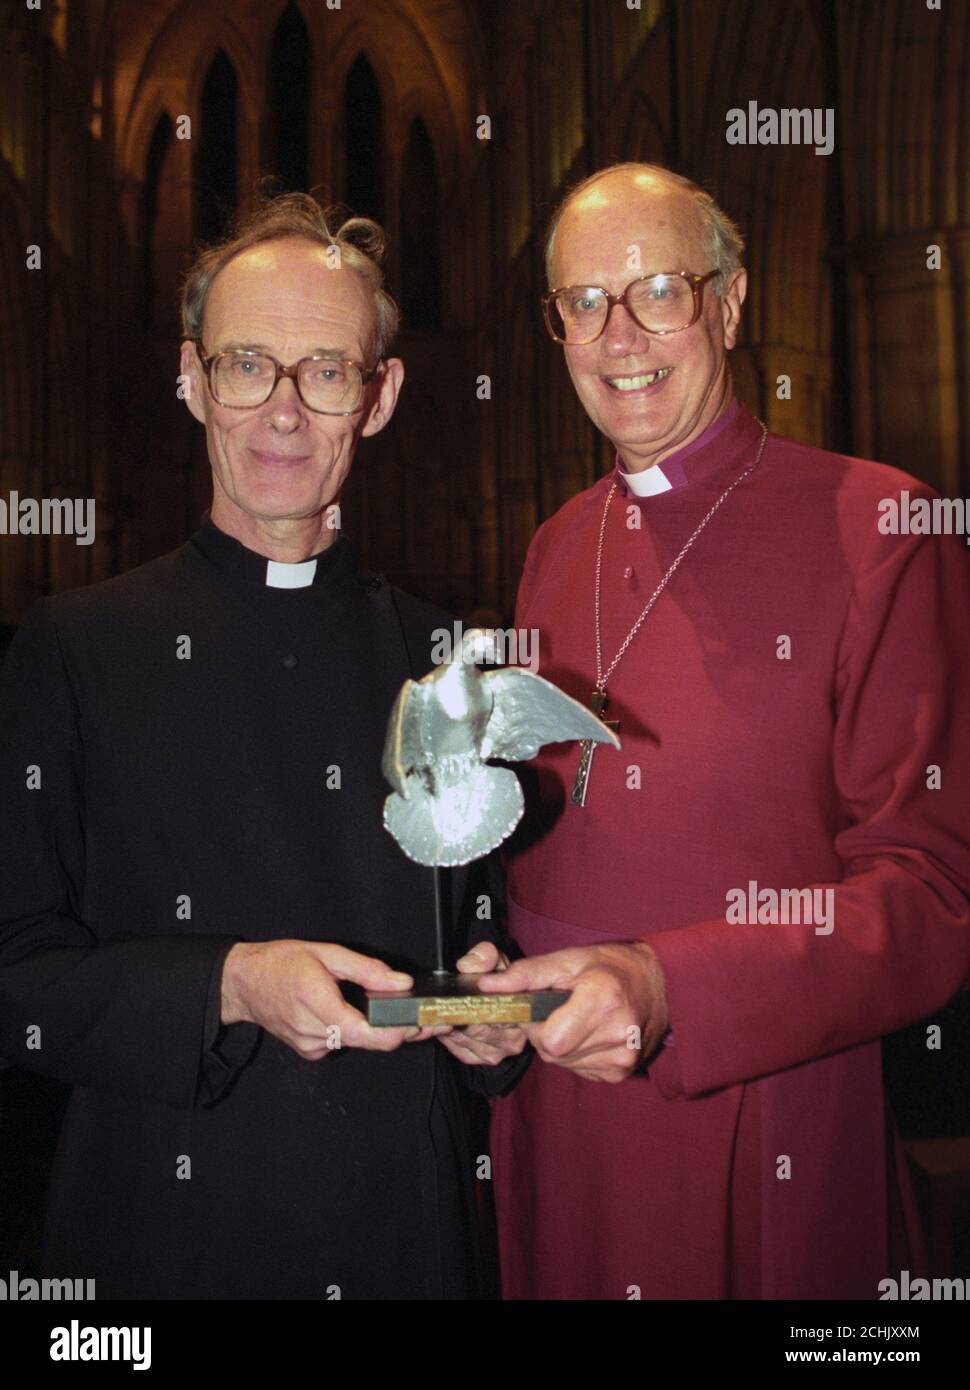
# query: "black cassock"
{"points": [[191, 758]]}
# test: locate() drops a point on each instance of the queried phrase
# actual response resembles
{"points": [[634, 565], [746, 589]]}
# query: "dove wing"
{"points": [[528, 711], [402, 745]]}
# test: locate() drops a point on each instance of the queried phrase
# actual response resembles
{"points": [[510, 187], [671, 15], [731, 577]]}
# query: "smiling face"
{"points": [[278, 466], [649, 395]]}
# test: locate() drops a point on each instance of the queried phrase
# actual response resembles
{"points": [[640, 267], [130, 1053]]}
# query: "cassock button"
{"points": [[372, 584], [289, 661]]}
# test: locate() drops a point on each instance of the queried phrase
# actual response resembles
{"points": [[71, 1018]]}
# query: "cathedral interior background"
{"points": [[130, 130]]}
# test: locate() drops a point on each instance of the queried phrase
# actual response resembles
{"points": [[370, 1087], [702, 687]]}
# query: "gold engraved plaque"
{"points": [[456, 1000], [475, 1008]]}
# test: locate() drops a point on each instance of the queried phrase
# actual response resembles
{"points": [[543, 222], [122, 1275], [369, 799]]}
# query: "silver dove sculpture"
{"points": [[448, 805]]}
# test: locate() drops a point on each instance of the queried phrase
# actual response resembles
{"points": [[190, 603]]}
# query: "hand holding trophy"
{"points": [[450, 807]]}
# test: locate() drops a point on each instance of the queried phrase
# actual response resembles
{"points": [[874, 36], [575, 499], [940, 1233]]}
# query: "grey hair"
{"points": [[723, 241], [360, 242]]}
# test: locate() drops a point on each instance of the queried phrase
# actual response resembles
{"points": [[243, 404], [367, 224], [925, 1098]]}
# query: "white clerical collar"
{"points": [[284, 576], [646, 483]]}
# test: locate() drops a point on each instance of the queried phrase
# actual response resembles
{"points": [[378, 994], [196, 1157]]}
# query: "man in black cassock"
{"points": [[191, 847]]}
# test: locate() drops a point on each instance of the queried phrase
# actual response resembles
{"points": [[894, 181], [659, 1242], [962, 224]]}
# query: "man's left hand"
{"points": [[615, 1017]]}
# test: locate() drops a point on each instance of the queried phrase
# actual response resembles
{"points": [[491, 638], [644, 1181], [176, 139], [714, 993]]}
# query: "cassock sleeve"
{"points": [[226, 1048], [138, 1016], [749, 1000]]}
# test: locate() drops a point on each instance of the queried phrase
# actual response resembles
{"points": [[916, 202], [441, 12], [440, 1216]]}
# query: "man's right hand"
{"points": [[290, 988]]}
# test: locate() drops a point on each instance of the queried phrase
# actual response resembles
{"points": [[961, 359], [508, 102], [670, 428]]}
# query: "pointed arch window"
{"points": [[364, 141], [420, 242], [158, 169], [215, 173], [289, 87]]}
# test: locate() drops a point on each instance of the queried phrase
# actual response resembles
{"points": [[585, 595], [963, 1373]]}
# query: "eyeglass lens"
{"points": [[660, 304], [247, 379]]}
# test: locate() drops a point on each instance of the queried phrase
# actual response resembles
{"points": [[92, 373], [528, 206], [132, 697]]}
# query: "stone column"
{"points": [[903, 352]]}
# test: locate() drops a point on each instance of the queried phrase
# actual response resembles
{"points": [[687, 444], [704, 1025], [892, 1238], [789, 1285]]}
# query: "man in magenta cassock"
{"points": [[792, 713]]}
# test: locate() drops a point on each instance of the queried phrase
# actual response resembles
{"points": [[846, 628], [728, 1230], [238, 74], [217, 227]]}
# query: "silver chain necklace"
{"points": [[598, 700]]}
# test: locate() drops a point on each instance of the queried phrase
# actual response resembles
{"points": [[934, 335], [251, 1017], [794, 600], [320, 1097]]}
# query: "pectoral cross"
{"points": [[597, 703]]}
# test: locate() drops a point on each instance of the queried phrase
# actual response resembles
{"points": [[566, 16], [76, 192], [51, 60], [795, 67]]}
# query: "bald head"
{"points": [[644, 187]]}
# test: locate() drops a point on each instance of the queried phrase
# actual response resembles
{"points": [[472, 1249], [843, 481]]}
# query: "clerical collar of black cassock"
{"points": [[223, 550]]}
